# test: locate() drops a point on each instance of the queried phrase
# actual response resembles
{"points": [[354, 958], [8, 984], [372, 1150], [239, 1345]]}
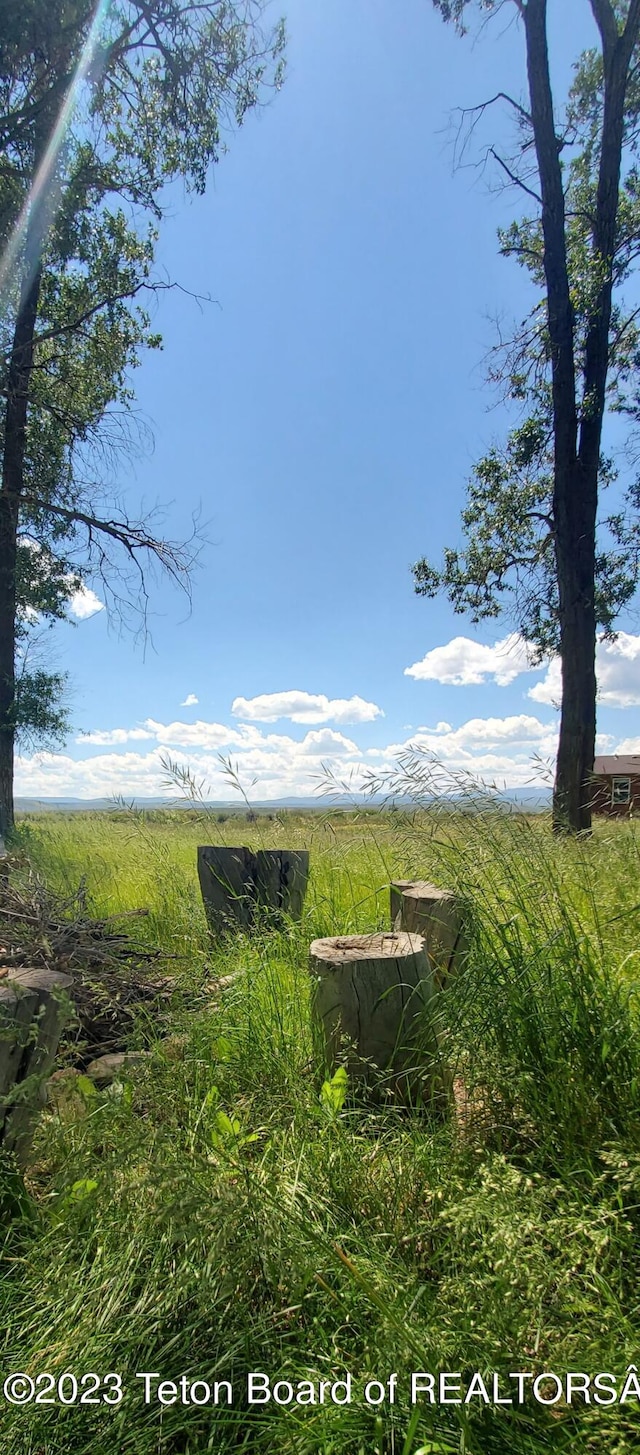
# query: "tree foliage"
{"points": [[507, 561], [102, 108], [538, 536]]}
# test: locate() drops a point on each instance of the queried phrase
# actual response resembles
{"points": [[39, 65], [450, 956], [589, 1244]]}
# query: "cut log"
{"points": [[281, 880], [239, 887], [436, 914], [227, 887], [373, 998], [33, 1011]]}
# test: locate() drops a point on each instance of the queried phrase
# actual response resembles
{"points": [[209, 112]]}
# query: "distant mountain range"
{"points": [[533, 799]]}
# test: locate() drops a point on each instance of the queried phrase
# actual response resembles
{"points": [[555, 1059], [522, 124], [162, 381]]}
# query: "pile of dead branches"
{"points": [[115, 975]]}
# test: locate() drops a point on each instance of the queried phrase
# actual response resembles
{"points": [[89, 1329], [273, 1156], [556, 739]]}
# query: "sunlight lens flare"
{"points": [[44, 192]]}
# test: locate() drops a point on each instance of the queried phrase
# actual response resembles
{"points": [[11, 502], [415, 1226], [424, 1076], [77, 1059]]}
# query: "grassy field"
{"points": [[217, 1213]]}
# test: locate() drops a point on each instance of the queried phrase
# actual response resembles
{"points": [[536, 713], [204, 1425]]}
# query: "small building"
{"points": [[616, 788]]}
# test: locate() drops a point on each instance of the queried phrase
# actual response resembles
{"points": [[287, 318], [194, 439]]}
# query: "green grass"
{"points": [[214, 1216]]}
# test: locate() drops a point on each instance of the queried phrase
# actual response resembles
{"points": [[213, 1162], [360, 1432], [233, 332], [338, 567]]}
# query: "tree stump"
{"points": [[239, 886], [436, 914], [372, 999], [32, 1015]]}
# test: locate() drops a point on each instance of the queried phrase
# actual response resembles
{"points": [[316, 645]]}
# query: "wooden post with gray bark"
{"points": [[33, 1012], [373, 999], [240, 886], [437, 914]]}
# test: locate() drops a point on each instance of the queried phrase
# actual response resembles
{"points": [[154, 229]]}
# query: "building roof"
{"points": [[624, 763]]}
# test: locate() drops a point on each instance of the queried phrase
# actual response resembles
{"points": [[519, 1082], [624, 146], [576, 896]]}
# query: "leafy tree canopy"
{"points": [[102, 107], [507, 559]]}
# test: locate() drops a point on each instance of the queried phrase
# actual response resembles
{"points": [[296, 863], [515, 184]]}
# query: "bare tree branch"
{"points": [[471, 116], [75, 324], [176, 558], [513, 176], [504, 96]]}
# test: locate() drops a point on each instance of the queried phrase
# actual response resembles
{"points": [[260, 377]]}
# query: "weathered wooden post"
{"points": [[238, 884], [372, 998], [437, 914], [32, 1016], [281, 877]]}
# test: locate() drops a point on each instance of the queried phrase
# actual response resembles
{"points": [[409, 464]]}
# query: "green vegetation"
{"points": [[102, 107], [534, 540], [220, 1211]]}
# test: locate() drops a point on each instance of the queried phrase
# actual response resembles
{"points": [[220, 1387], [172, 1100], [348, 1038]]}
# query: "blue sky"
{"points": [[324, 413]]}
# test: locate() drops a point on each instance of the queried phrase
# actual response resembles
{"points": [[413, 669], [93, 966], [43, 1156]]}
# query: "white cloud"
{"points": [[195, 734], [618, 669], [479, 730], [56, 775], [328, 743], [214, 736], [618, 672], [190, 700], [467, 663], [113, 737], [305, 707], [463, 662], [493, 749], [549, 690], [281, 767], [605, 743], [480, 735], [84, 603], [507, 751]]}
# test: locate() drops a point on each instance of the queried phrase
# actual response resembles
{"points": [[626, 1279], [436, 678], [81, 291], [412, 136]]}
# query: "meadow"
{"points": [[223, 1209]]}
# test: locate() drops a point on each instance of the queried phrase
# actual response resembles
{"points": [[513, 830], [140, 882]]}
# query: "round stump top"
{"points": [[420, 889], [383, 945]]}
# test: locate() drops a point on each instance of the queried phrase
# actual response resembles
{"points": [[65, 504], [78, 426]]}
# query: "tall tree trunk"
{"points": [[576, 498], [574, 509], [577, 625], [7, 659], [17, 383], [577, 442], [19, 375]]}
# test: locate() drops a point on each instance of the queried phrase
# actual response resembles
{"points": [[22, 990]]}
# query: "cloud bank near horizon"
{"points": [[512, 750], [508, 752]]}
